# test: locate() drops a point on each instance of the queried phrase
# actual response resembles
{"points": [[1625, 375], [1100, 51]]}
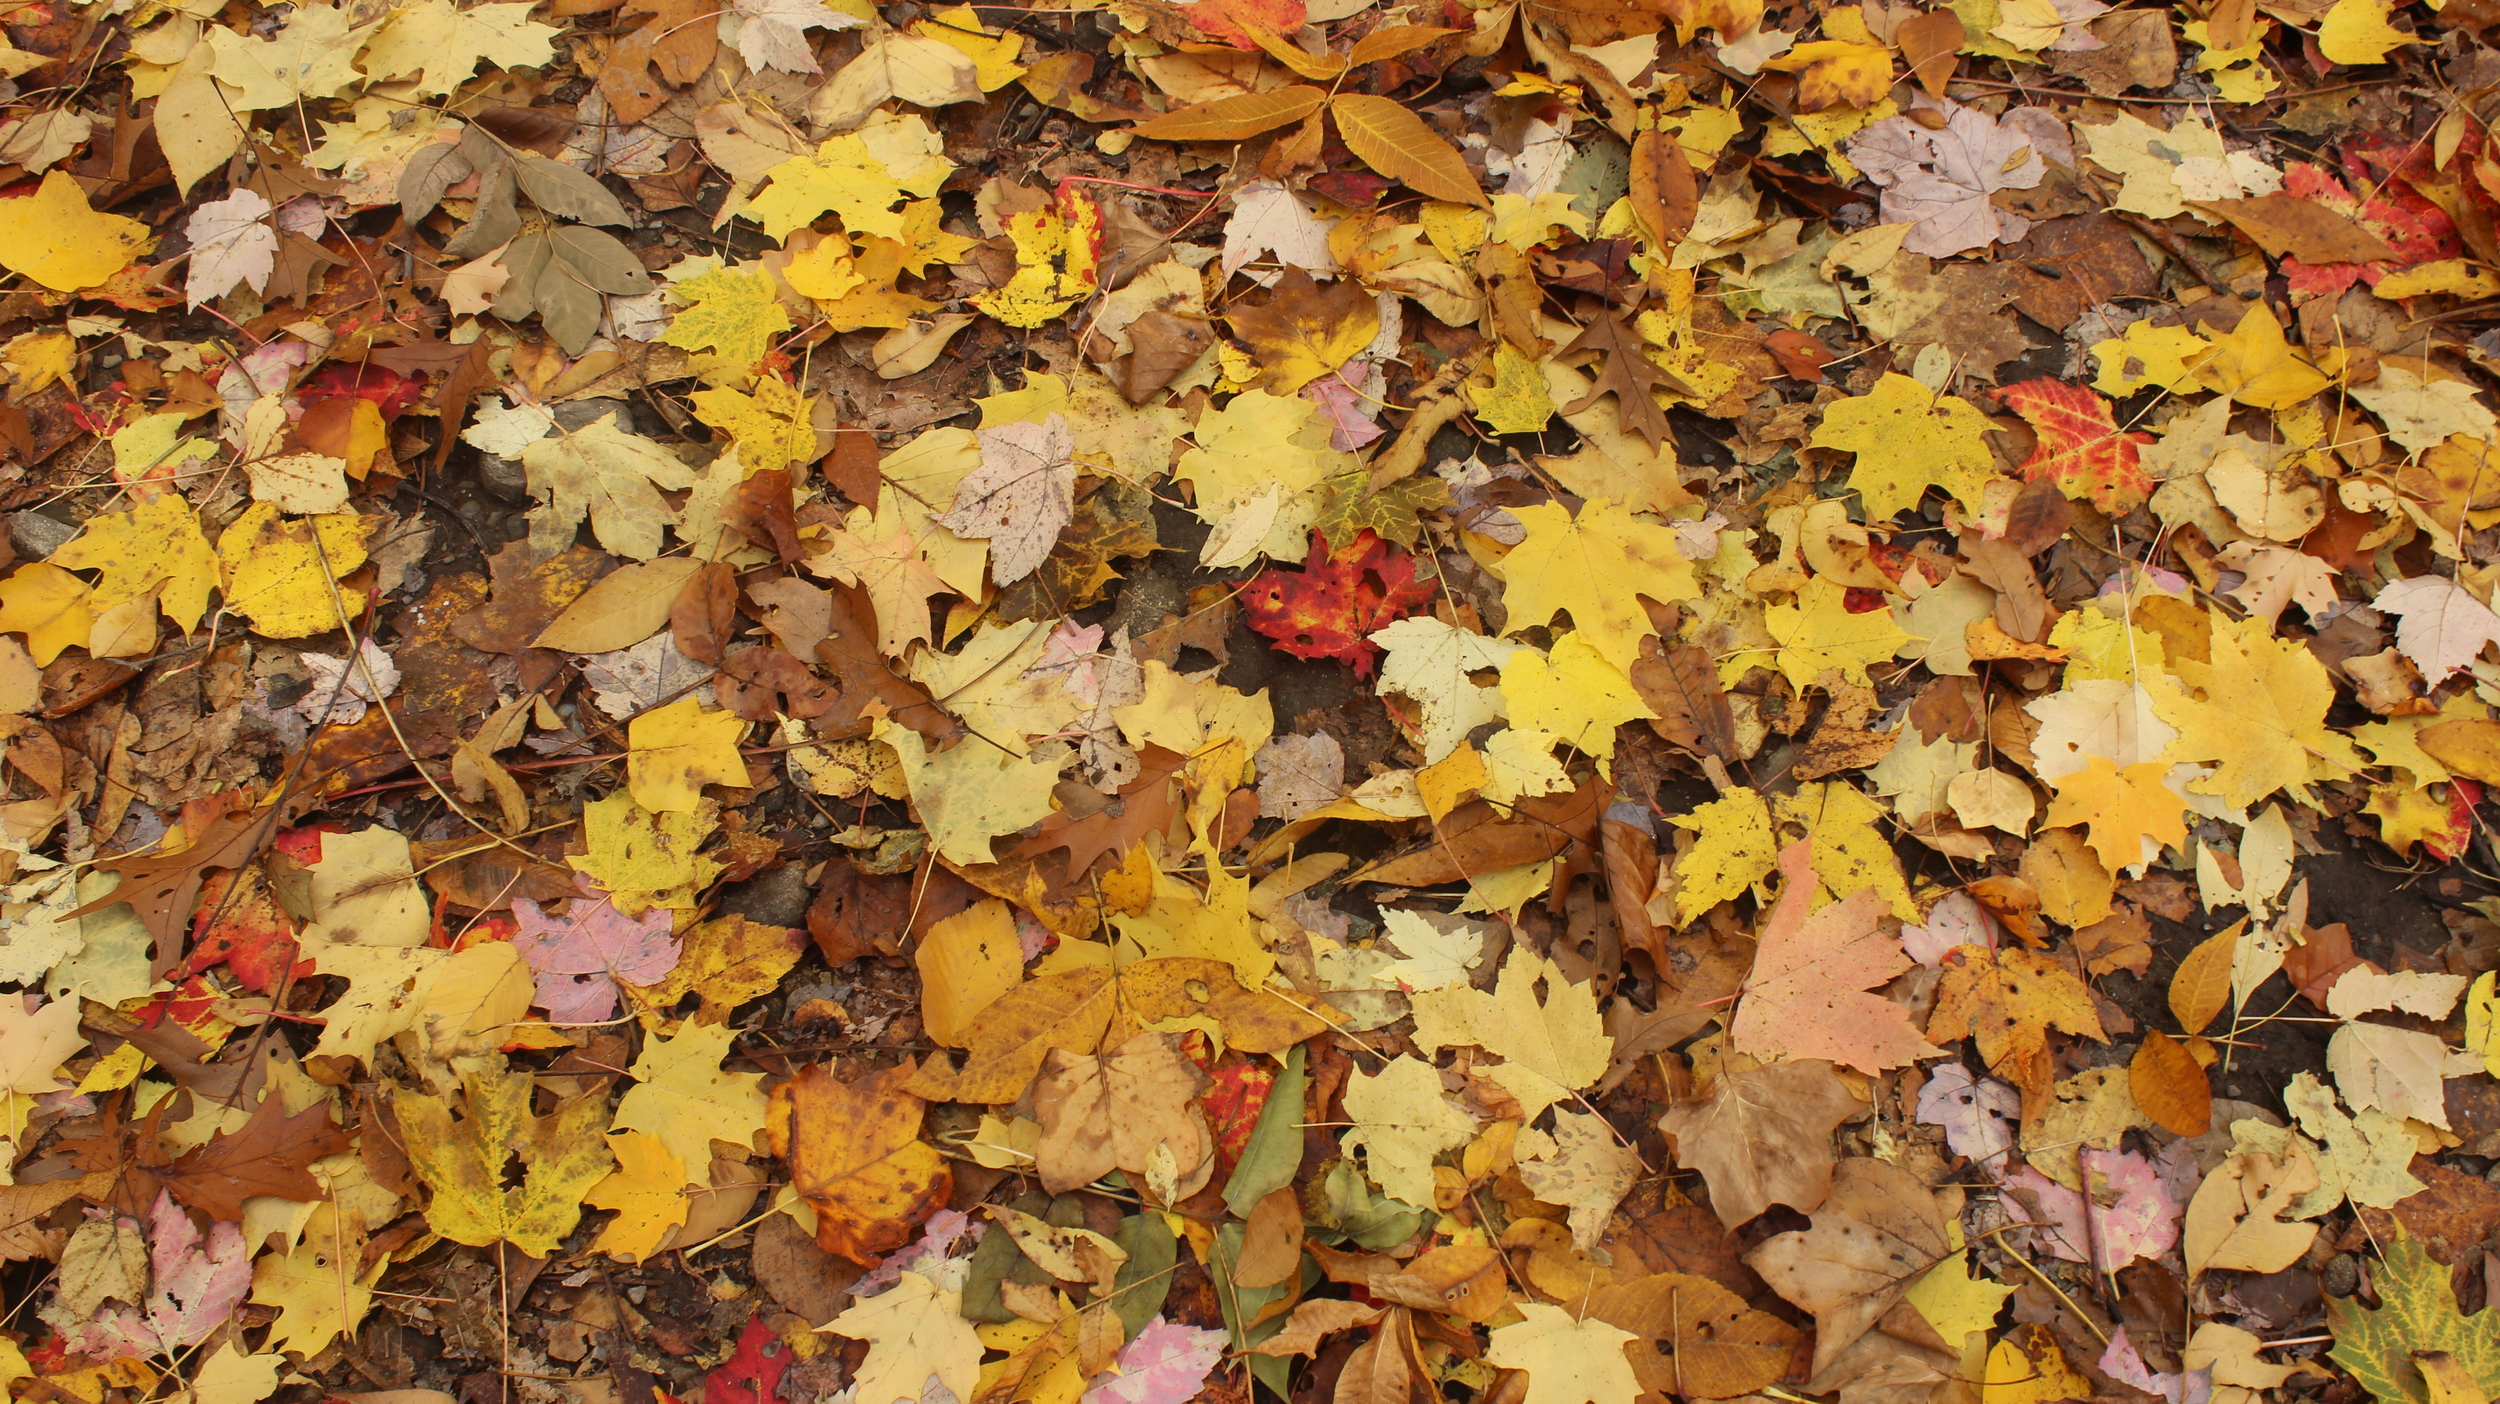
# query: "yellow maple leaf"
{"points": [[2028, 1368], [1304, 331], [993, 54], [825, 270], [463, 1162], [37, 359], [771, 425], [282, 575], [1568, 1359], [731, 311], [1189, 713], [55, 238], [1837, 73], [1255, 470], [1737, 849], [1851, 852], [1572, 695], [1908, 438], [858, 175], [1818, 633], [890, 568], [154, 548], [681, 1096], [2146, 356], [915, 1331], [643, 859], [672, 752], [2357, 32], [2121, 807], [1550, 1047], [49, 606], [1593, 567], [1055, 252], [2254, 365], [974, 792], [2262, 717], [648, 1191], [1516, 401]]}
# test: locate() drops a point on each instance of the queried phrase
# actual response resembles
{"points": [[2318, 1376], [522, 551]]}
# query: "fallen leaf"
{"points": [[856, 1157]]}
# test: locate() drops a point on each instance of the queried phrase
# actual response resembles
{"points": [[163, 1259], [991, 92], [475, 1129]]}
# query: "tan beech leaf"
{"points": [[1234, 118], [2235, 1221], [1764, 1137], [1314, 1321], [1398, 144], [620, 609], [2203, 982], [1875, 1235], [1105, 1114], [2287, 224]]}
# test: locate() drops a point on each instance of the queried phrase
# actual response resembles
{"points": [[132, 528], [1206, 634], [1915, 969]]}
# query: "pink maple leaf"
{"points": [[1166, 1361], [194, 1285], [582, 956], [2131, 1215]]}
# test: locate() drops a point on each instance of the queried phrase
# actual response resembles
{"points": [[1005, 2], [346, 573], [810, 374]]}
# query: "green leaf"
{"points": [[559, 189], [1274, 1150], [2417, 1312], [464, 1162], [1351, 508]]}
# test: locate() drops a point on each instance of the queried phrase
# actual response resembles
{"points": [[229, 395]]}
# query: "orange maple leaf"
{"points": [[2081, 447], [2121, 808]]}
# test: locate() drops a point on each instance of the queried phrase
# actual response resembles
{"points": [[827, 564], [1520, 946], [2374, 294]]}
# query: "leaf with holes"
{"points": [[2081, 448]]}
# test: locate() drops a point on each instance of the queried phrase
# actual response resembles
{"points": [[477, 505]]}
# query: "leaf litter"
{"points": [[1563, 703]]}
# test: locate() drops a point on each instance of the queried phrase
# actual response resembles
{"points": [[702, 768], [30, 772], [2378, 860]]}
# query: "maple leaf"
{"points": [[2441, 627], [859, 175], [612, 477], [1020, 497], [2405, 1349], [752, 1373], [1302, 332], [1121, 1112], [269, 1154], [1764, 1136], [1593, 566], [674, 751], [771, 427], [1432, 664], [1908, 438], [1873, 1236], [230, 244], [194, 1283], [915, 1331], [2007, 1004], [648, 1191], [856, 1157], [896, 578], [2120, 807], [1820, 633], [2081, 448], [2132, 1216], [976, 791], [1942, 177], [1551, 1046], [155, 548], [1628, 375], [57, 239], [1166, 1361], [1806, 996], [444, 44], [581, 957], [730, 311], [1568, 1360], [1056, 252], [681, 1095], [2262, 718], [1336, 604]]}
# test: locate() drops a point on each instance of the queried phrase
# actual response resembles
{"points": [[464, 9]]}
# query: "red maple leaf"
{"points": [[1329, 608], [2416, 229], [1233, 1102], [240, 925], [751, 1375], [2081, 447]]}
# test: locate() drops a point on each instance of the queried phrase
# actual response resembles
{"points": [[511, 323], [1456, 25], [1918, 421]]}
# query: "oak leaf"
{"points": [[270, 1153], [1628, 375]]}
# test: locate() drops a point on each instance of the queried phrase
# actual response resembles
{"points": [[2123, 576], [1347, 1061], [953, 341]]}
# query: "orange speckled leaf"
{"points": [[2081, 448], [856, 1157]]}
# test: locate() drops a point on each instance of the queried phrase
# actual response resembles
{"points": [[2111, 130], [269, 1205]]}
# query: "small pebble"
{"points": [[2342, 1277]]}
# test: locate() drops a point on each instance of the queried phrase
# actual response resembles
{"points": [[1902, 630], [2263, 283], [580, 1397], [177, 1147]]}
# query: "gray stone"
{"points": [[2342, 1276], [775, 896], [35, 536]]}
